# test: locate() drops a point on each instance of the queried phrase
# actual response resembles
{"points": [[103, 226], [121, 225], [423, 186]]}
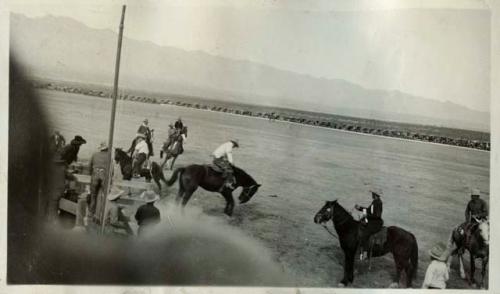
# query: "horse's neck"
{"points": [[242, 178], [344, 222]]}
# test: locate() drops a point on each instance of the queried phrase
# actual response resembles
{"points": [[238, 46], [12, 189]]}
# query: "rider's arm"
{"points": [[230, 156], [467, 209], [484, 209], [375, 210]]}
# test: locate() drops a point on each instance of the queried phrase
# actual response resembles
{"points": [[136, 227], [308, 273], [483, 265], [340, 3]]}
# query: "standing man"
{"points": [[69, 153], [372, 221], [99, 171], [476, 207], [147, 215], [145, 131], [58, 174], [140, 155], [223, 158]]}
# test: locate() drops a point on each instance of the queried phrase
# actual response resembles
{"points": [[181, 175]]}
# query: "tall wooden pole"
{"points": [[112, 123]]}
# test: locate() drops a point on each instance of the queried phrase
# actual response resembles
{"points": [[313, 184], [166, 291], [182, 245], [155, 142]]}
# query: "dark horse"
{"points": [[400, 243], [125, 162], [194, 176], [173, 147], [475, 239]]}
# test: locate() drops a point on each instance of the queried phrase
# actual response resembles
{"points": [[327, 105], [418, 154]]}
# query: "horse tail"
{"points": [[414, 258], [172, 180]]}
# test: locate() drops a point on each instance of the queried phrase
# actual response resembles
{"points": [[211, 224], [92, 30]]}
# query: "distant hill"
{"points": [[62, 48]]}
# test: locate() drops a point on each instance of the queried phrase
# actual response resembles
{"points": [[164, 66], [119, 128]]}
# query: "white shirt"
{"points": [[225, 149], [142, 147], [436, 275]]}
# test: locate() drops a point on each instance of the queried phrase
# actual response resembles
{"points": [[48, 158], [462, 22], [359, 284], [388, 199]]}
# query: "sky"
{"points": [[433, 49]]}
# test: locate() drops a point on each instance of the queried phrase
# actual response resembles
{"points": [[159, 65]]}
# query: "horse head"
{"points": [[250, 186], [484, 231], [325, 213], [120, 155], [248, 192]]}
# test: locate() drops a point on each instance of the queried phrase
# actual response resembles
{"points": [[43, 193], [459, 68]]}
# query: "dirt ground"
{"points": [[426, 186]]}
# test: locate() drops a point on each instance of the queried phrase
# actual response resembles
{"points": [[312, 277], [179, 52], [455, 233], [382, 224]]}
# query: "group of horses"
{"points": [[401, 243]]}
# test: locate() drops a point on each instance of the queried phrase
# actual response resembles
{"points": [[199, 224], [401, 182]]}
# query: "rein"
{"points": [[329, 232]]}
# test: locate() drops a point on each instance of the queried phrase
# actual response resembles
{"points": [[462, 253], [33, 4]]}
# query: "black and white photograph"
{"points": [[290, 144]]}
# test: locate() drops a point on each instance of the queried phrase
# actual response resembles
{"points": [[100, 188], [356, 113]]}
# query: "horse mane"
{"points": [[343, 210]]}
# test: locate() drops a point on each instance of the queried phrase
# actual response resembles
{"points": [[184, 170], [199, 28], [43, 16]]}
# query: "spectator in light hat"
{"points": [[437, 273]]}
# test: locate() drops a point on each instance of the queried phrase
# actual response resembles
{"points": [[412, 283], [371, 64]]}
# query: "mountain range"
{"points": [[65, 49]]}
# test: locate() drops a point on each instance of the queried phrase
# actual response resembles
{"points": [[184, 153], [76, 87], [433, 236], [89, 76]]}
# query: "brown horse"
{"points": [[402, 244], [194, 176]]}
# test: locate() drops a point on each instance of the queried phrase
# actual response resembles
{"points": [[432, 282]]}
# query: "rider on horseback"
{"points": [[372, 221], [147, 134], [476, 208], [223, 158], [140, 155]]}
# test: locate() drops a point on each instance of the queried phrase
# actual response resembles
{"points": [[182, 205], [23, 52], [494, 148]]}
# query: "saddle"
{"points": [[215, 168]]}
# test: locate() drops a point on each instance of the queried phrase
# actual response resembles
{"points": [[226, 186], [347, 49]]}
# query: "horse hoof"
{"points": [[341, 285], [394, 285]]}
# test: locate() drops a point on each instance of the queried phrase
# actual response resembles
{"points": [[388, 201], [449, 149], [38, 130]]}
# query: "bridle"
{"points": [[330, 217]]}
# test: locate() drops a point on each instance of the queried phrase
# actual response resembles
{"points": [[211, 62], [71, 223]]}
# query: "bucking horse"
{"points": [[193, 176]]}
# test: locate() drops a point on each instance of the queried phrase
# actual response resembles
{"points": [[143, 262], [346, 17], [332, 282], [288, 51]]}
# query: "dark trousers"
{"points": [[225, 166], [367, 230], [139, 160]]}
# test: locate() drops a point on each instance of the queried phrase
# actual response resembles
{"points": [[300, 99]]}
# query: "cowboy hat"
{"points": [[475, 192], [235, 142], [377, 192], [79, 140], [103, 146], [149, 196], [438, 252], [115, 193], [145, 120]]}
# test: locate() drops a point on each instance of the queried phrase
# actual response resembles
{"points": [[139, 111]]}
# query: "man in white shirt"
{"points": [[223, 158], [140, 154]]}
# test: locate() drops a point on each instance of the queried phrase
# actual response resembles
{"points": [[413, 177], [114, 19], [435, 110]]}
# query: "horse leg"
{"points": [[483, 271], [229, 202], [472, 279], [348, 268], [172, 162], [462, 270]]}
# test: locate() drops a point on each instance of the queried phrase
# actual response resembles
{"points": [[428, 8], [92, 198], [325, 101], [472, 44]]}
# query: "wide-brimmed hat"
{"points": [[475, 192], [115, 193], [236, 142], [439, 252], [103, 146], [149, 196], [78, 140], [377, 192], [146, 120]]}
